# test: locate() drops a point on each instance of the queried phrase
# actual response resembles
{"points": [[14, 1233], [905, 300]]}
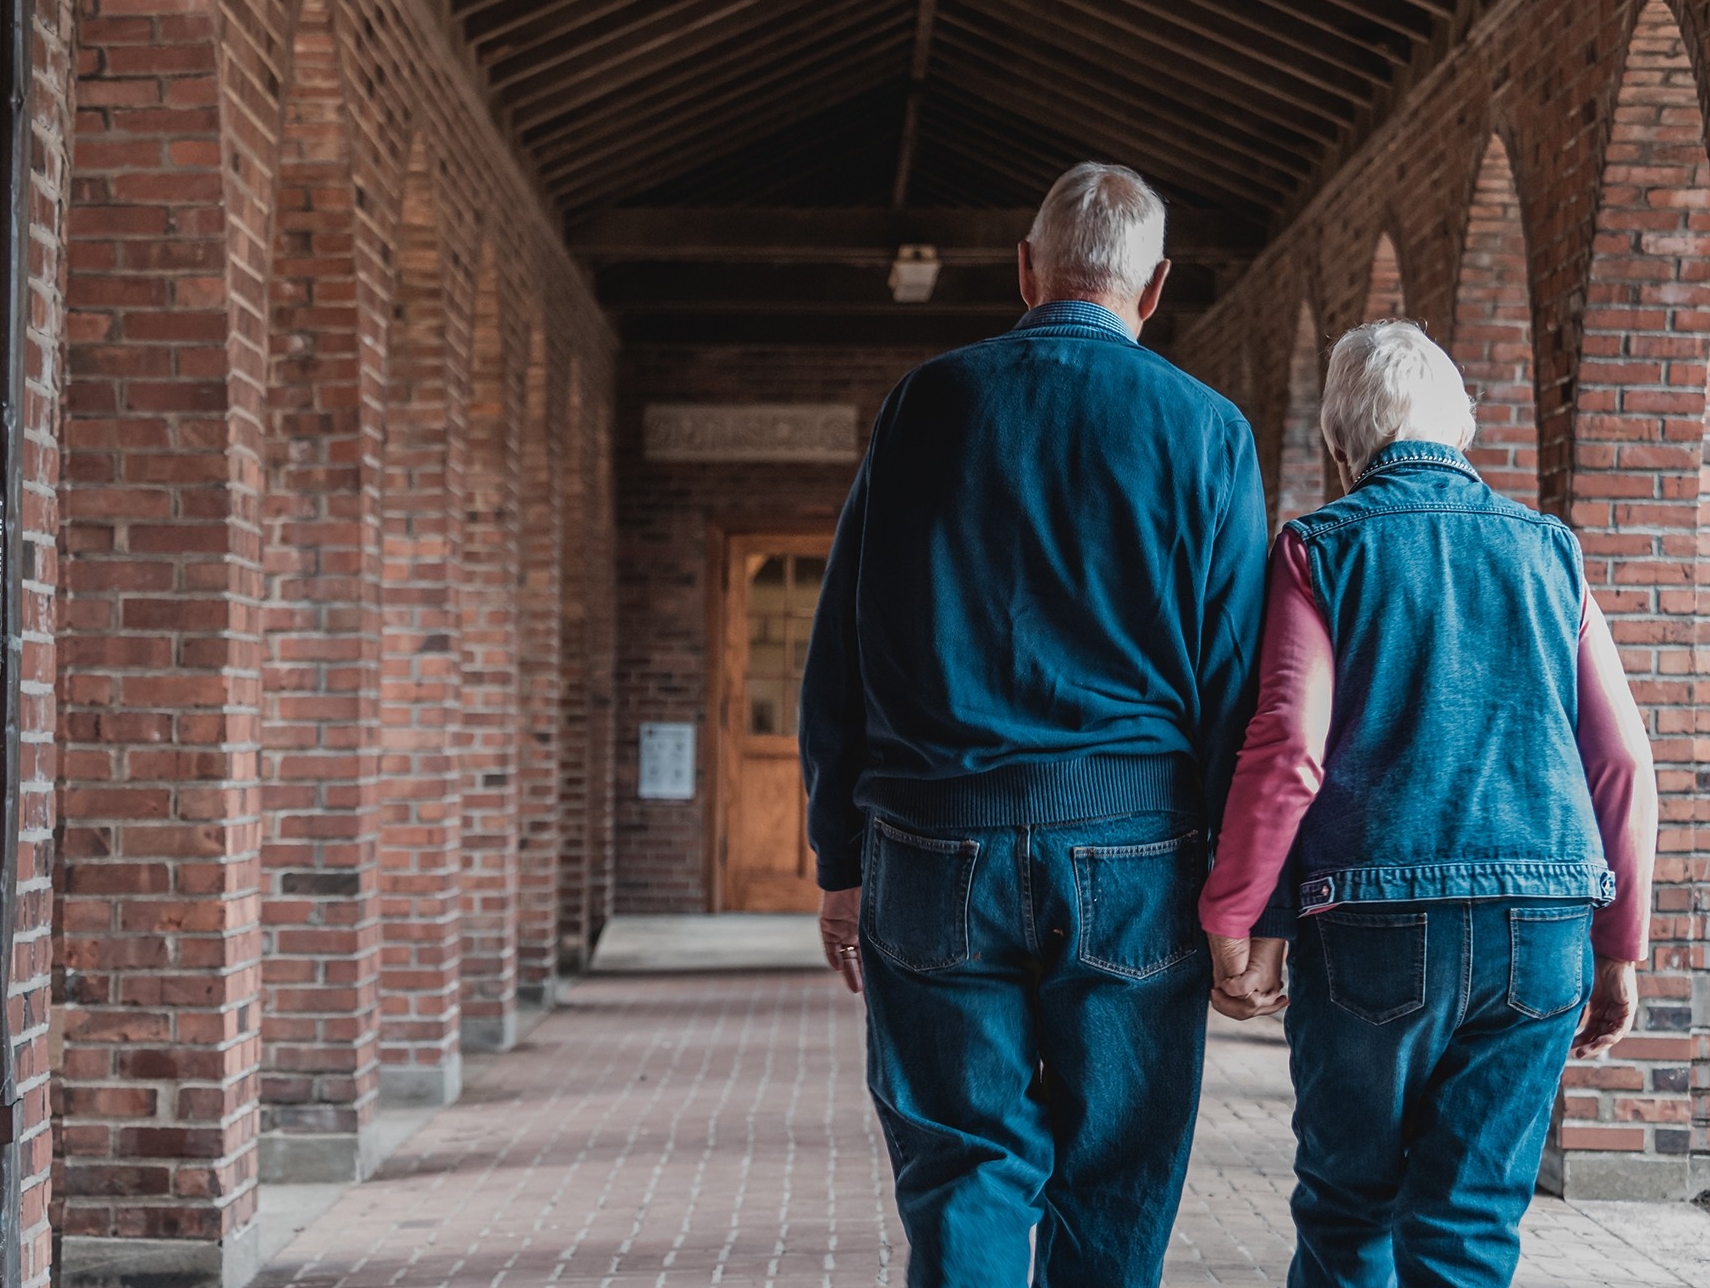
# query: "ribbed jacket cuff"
{"points": [[839, 876], [1275, 923]]}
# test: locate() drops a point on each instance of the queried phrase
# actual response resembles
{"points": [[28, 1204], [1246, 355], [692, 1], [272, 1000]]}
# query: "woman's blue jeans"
{"points": [[1036, 1002], [1426, 1041]]}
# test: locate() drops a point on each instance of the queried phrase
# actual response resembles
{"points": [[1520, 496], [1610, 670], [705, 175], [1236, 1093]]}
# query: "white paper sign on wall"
{"points": [[667, 762]]}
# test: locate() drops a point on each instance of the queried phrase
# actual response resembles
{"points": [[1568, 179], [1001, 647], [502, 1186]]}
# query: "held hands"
{"points": [[1247, 976], [1614, 1003], [839, 934]]}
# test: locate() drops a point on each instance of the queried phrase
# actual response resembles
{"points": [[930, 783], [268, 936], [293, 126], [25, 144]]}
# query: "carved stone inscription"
{"points": [[822, 433]]}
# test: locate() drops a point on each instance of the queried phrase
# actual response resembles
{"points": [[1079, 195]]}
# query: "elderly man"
{"points": [[1027, 682]]}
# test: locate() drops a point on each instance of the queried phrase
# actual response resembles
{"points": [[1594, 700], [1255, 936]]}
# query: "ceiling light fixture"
{"points": [[914, 273]]}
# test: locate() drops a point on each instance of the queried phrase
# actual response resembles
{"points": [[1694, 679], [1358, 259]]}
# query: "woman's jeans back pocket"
{"points": [[917, 897], [1374, 962], [1546, 965], [1138, 904]]}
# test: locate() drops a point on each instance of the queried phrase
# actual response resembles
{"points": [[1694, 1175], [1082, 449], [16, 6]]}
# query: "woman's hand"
{"points": [[1247, 976], [840, 933], [1614, 1005]]}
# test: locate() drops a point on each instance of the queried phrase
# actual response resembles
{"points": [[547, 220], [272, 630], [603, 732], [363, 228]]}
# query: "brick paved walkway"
{"points": [[673, 1130]]}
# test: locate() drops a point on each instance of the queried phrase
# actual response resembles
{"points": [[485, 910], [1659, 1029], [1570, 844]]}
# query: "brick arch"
{"points": [[1386, 294], [1493, 330], [490, 562], [1640, 510], [421, 686], [321, 650], [1301, 471], [539, 645]]}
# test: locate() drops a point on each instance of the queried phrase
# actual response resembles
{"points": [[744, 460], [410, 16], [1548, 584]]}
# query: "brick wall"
{"points": [[286, 413], [666, 513], [1606, 153], [34, 1041]]}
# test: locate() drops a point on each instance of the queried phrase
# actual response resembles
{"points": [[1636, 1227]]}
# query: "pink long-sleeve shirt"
{"points": [[1281, 765]]}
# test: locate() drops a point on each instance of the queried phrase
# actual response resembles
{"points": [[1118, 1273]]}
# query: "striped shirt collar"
{"points": [[1074, 313]]}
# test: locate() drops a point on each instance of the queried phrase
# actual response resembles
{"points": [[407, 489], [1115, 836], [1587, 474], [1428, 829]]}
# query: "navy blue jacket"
{"points": [[1044, 598], [1451, 769]]}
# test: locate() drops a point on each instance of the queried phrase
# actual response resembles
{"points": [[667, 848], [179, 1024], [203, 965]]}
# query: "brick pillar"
{"points": [[573, 705], [602, 664], [489, 650], [539, 647], [320, 711], [1493, 331], [160, 663], [420, 787], [34, 942], [1637, 505], [1300, 473]]}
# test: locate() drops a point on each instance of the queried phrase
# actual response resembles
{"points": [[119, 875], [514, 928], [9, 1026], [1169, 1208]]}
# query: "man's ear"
{"points": [[1154, 290], [1030, 294]]}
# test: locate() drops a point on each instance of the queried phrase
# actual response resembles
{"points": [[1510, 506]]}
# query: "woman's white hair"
{"points": [[1099, 231], [1389, 381]]}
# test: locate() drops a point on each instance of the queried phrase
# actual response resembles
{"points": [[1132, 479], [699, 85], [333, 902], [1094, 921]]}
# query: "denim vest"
{"points": [[1451, 770]]}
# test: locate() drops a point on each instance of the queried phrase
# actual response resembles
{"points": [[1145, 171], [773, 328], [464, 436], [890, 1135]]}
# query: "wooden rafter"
{"points": [[1232, 107], [925, 12]]}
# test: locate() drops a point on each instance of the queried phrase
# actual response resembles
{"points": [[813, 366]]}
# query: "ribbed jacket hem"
{"points": [[1058, 791]]}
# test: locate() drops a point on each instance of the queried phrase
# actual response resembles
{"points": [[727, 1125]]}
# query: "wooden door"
{"points": [[772, 587]]}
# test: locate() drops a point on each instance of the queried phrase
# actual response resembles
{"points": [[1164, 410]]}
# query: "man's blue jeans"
{"points": [[1036, 1002], [1426, 1041]]}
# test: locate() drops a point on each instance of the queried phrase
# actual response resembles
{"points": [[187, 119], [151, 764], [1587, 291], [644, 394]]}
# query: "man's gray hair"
{"points": [[1388, 381], [1099, 231]]}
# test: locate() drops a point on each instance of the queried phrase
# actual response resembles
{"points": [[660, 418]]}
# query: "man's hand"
{"points": [[1247, 976], [1614, 1004], [839, 933]]}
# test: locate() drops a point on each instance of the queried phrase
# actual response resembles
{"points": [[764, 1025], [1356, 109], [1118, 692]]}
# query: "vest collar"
{"points": [[1410, 451]]}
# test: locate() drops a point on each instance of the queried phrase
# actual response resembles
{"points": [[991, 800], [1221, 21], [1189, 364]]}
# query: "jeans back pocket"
{"points": [[1374, 962], [917, 897], [1546, 963], [1139, 904]]}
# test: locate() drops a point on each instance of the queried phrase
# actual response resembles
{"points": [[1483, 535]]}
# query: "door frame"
{"points": [[722, 534]]}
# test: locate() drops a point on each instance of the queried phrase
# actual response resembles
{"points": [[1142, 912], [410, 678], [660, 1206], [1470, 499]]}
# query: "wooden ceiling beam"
{"points": [[1385, 50], [1026, 162], [1281, 26], [1124, 138], [1163, 75], [739, 97], [1270, 152], [705, 140], [576, 28], [925, 12], [922, 331], [527, 21], [854, 236], [1262, 34], [627, 38], [1402, 19], [684, 86], [995, 137], [1250, 70]]}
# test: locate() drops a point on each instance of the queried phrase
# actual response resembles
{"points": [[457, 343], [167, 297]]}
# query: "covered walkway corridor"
{"points": [[666, 1131], [424, 423]]}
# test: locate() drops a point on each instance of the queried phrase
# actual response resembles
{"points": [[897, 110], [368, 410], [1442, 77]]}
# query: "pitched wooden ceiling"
{"points": [[843, 128]]}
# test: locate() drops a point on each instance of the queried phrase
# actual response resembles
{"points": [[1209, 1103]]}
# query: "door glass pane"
{"points": [[810, 572], [766, 706], [783, 591]]}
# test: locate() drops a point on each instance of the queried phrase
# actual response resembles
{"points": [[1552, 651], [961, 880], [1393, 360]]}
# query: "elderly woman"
{"points": [[1447, 762]]}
